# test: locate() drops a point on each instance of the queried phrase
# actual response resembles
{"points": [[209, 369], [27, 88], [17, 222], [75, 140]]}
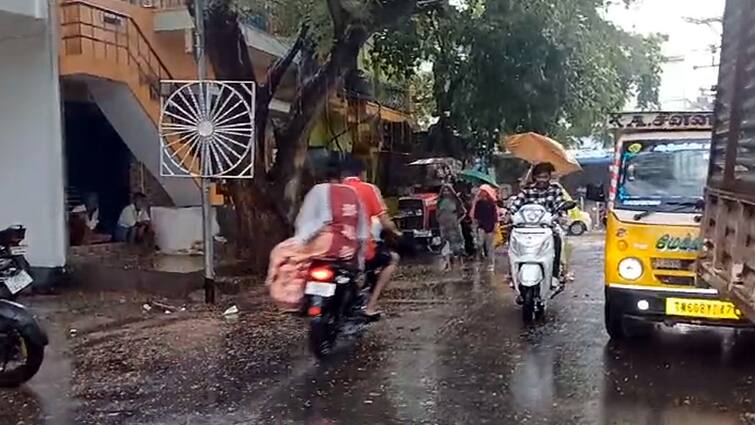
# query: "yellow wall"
{"points": [[323, 132]]}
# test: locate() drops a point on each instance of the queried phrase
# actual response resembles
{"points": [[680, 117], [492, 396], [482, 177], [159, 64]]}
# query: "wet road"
{"points": [[453, 350]]}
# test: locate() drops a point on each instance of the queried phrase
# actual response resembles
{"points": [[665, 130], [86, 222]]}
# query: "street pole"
{"points": [[209, 266]]}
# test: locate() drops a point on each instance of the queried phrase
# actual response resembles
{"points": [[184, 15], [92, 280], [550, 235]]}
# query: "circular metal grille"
{"points": [[207, 129]]}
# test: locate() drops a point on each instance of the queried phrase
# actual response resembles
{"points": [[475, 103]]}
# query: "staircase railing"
{"points": [[91, 30], [158, 4]]}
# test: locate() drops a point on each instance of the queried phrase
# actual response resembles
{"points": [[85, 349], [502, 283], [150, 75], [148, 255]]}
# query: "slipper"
{"points": [[374, 317]]}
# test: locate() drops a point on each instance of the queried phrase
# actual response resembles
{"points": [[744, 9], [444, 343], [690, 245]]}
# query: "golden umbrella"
{"points": [[537, 148]]}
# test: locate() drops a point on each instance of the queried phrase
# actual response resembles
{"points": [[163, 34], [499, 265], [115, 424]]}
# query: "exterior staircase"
{"points": [[103, 43]]}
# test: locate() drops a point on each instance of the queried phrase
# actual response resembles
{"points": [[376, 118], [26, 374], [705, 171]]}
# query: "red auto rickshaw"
{"points": [[417, 210]]}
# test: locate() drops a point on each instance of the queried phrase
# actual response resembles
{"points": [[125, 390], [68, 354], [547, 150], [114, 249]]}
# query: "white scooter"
{"points": [[531, 254]]}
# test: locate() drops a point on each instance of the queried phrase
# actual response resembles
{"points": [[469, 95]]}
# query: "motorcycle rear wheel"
{"points": [[322, 336], [33, 356]]}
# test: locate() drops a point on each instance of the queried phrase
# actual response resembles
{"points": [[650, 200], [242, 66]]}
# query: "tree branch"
{"points": [[390, 12], [424, 5], [222, 29], [339, 16], [293, 138], [278, 70], [266, 92], [308, 63]]}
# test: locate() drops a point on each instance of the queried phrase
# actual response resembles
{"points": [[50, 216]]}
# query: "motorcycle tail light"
{"points": [[321, 274], [314, 311]]}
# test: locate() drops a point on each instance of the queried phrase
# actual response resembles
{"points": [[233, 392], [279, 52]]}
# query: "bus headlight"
{"points": [[630, 268]]}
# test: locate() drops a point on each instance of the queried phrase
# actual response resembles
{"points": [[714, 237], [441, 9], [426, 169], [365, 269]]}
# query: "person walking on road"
{"points": [[450, 213], [485, 215]]}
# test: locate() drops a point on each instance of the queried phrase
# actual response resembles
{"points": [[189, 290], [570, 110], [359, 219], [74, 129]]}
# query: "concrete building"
{"points": [[80, 104], [31, 142]]}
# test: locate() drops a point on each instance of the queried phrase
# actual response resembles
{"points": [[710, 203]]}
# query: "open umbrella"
{"points": [[537, 148], [478, 177]]}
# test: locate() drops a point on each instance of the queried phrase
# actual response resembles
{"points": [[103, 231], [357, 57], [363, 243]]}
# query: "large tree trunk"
{"points": [[266, 205], [259, 222], [259, 225]]}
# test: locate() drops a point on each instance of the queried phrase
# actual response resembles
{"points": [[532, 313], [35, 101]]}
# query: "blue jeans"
{"points": [[122, 233]]}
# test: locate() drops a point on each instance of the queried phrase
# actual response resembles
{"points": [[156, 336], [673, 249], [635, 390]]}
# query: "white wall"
{"points": [[29, 8], [31, 147]]}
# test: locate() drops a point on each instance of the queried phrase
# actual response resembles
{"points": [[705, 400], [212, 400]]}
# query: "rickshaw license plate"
{"points": [[709, 309], [320, 289]]}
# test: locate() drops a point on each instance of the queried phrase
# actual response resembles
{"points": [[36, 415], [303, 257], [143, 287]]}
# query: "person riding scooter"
{"points": [[541, 190]]}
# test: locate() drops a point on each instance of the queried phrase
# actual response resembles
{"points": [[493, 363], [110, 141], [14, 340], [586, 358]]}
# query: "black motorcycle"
{"points": [[333, 303], [22, 340]]}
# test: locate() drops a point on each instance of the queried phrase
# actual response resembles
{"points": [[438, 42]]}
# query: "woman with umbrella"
{"points": [[485, 214], [450, 212]]}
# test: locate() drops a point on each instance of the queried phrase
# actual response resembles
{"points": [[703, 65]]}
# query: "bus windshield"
{"points": [[662, 175]]}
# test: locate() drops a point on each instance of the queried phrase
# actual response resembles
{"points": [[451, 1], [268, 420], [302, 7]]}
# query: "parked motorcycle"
{"points": [[531, 255], [333, 302], [22, 340]]}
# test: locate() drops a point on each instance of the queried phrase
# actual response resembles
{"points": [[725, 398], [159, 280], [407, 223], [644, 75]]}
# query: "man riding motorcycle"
{"points": [[543, 191], [331, 226], [378, 256]]}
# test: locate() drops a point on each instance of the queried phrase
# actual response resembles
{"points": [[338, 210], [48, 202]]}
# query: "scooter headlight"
{"points": [[630, 269], [533, 216]]}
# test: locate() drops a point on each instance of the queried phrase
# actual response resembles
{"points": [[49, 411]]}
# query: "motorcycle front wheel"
{"points": [[20, 357]]}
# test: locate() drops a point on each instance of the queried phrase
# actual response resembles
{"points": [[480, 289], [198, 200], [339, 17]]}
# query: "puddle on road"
{"points": [[466, 360]]}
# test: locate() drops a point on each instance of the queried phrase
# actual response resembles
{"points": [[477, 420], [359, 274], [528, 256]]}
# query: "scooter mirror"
{"points": [[567, 205]]}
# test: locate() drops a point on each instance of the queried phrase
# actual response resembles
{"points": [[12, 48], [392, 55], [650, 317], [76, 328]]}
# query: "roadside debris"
{"points": [[231, 311], [167, 307]]}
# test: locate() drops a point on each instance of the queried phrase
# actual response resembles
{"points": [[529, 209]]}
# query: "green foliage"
{"points": [[423, 99], [288, 16], [504, 66], [500, 66]]}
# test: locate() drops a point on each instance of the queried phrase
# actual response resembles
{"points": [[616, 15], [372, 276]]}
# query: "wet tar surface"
{"points": [[452, 350]]}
